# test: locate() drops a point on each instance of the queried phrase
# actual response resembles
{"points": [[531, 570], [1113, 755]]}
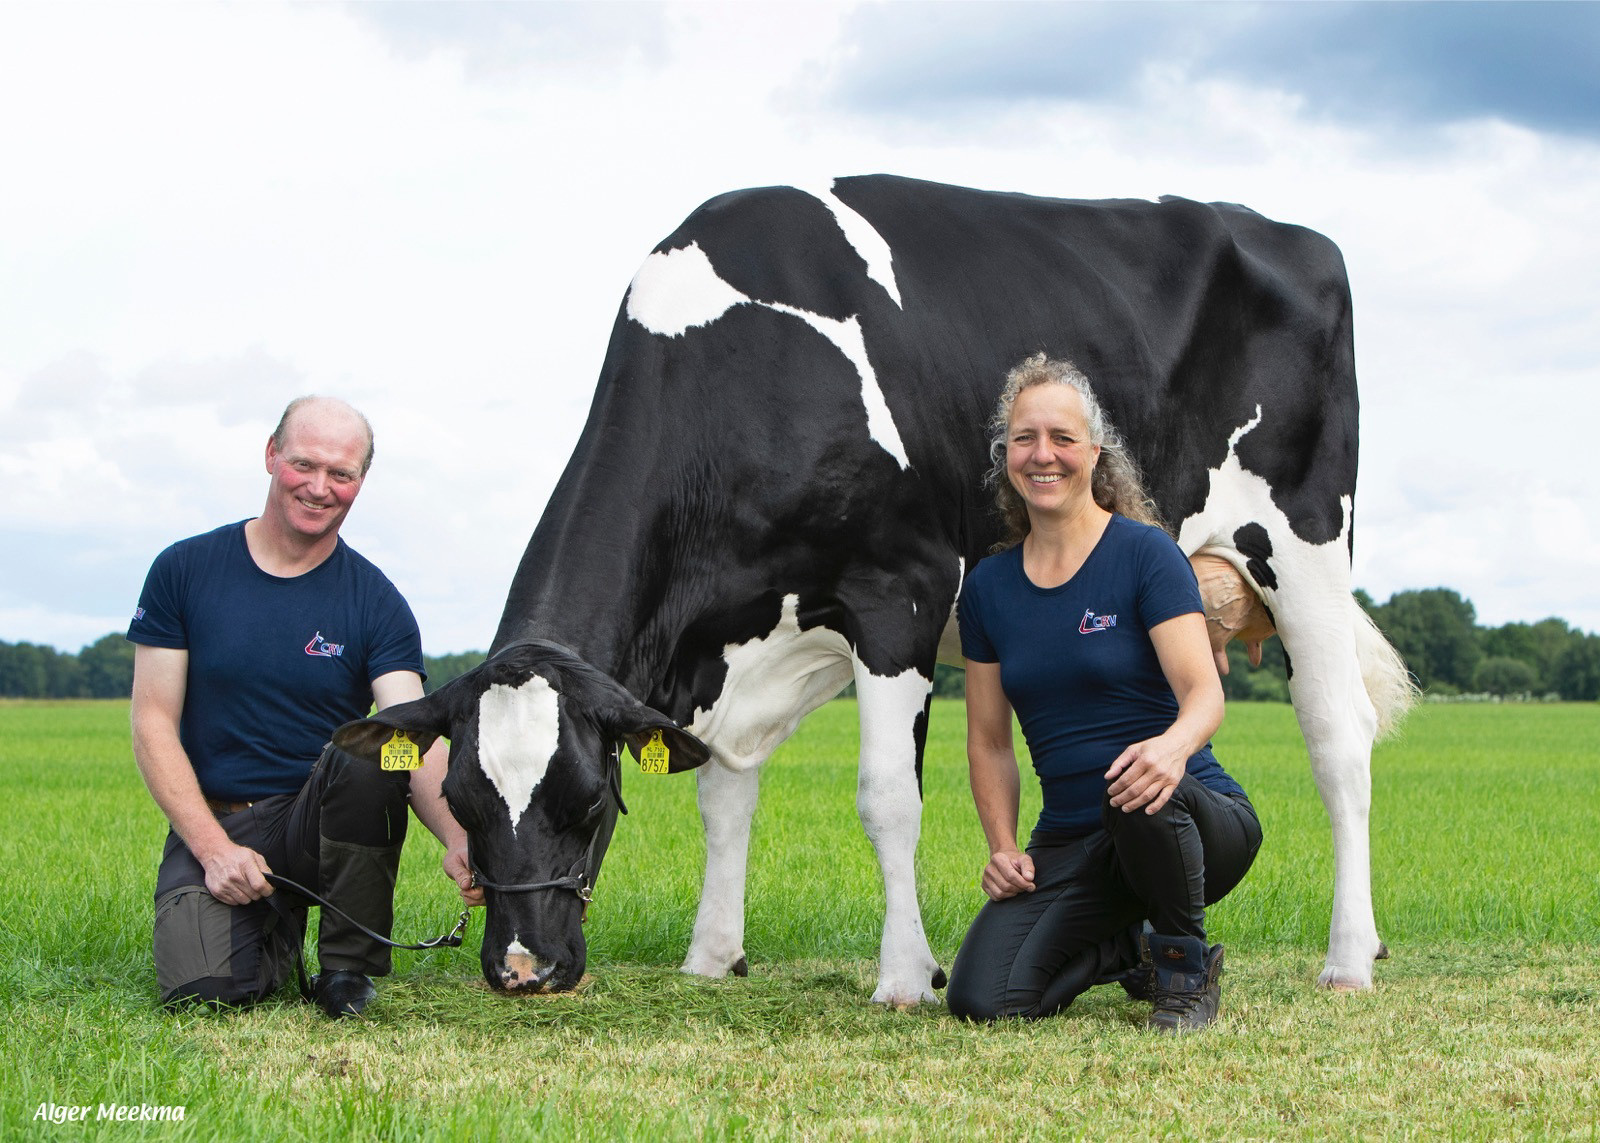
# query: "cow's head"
{"points": [[534, 734]]}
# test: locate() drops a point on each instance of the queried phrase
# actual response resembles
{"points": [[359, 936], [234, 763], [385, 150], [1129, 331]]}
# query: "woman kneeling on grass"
{"points": [[1090, 625]]}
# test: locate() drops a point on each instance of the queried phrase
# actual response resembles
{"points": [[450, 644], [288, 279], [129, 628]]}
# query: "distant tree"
{"points": [[64, 677], [949, 682], [1503, 675], [1436, 633], [108, 667], [1539, 645], [1551, 638], [25, 670], [443, 668], [1578, 672]]}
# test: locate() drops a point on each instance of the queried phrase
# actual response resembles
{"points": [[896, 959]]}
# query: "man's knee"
{"points": [[210, 953]]}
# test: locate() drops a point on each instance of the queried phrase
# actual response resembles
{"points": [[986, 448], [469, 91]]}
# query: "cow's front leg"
{"points": [[889, 800], [727, 805]]}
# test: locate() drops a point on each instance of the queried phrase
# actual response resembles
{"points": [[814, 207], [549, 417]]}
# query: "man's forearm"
{"points": [[428, 801], [169, 776]]}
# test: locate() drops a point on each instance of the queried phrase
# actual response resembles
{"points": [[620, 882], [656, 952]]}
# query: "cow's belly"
{"points": [[773, 682]]}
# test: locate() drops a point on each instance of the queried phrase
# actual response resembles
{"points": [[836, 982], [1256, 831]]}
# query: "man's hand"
{"points": [[235, 874], [457, 869], [1007, 874]]}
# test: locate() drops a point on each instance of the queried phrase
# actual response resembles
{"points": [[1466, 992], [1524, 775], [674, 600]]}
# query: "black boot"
{"points": [[341, 993], [1186, 988]]}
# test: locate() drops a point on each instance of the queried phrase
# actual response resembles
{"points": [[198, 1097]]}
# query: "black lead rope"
{"points": [[449, 940]]}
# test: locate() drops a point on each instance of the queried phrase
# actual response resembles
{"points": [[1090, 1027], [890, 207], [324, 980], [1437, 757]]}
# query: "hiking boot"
{"points": [[1186, 983], [342, 992]]}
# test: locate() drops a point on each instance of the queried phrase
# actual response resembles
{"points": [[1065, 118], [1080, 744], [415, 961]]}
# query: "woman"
{"points": [[1090, 625]]}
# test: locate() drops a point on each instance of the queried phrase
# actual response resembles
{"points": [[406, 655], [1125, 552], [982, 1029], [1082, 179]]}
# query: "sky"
{"points": [[434, 210]]}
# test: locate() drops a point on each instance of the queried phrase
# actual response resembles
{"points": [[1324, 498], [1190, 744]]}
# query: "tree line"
{"points": [[1435, 630]]}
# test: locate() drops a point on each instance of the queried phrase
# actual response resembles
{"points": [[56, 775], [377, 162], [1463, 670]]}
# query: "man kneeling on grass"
{"points": [[254, 642]]}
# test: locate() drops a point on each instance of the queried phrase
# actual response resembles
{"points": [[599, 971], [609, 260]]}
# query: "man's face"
{"points": [[317, 475]]}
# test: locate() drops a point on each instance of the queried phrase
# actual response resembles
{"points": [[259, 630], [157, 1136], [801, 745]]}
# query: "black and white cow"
{"points": [[779, 490]]}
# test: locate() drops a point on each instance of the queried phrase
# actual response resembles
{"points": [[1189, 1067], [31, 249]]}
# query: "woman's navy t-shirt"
{"points": [[1077, 663], [275, 664]]}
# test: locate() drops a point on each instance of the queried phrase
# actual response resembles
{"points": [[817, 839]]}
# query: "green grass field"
{"points": [[1484, 1024]]}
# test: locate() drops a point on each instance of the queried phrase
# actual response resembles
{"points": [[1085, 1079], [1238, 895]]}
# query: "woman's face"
{"points": [[1049, 459]]}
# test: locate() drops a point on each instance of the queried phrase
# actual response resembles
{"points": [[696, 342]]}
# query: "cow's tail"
{"points": [[1389, 685]]}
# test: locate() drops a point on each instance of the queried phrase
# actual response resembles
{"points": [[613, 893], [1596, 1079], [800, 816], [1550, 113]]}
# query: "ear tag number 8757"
{"points": [[400, 753], [653, 758]]}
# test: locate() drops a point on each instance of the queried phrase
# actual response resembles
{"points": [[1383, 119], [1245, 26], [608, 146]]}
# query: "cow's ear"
{"points": [[426, 720], [636, 724]]}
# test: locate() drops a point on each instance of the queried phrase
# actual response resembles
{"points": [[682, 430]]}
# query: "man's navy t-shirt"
{"points": [[1077, 664], [275, 664]]}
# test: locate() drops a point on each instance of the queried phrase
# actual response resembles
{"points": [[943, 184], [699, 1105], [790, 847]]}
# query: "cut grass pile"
{"points": [[1485, 1024]]}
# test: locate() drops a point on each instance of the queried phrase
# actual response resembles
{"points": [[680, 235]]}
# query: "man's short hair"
{"points": [[282, 431]]}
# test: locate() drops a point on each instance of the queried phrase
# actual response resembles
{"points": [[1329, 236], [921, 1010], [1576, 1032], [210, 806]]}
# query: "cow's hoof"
{"points": [[903, 999], [1336, 979], [714, 967], [1383, 952], [939, 978]]}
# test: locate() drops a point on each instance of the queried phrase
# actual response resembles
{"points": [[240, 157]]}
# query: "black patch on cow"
{"points": [[919, 733], [1288, 666], [1255, 545]]}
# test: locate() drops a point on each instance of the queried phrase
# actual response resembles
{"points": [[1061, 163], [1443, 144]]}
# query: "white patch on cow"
{"points": [[518, 728], [772, 683], [1237, 497], [865, 239], [677, 289], [846, 335], [1338, 670]]}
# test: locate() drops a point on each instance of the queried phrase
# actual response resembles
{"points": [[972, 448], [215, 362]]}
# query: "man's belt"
{"points": [[222, 809]]}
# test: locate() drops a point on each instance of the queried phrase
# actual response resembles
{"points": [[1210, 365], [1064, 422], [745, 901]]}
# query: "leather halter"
{"points": [[581, 877]]}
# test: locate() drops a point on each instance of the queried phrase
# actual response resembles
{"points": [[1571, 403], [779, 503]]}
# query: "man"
{"points": [[254, 642]]}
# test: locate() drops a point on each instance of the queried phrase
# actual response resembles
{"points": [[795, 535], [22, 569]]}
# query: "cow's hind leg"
{"points": [[889, 800], [1316, 620]]}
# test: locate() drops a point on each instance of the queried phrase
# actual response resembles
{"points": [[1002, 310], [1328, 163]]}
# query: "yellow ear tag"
{"points": [[653, 758], [400, 753]]}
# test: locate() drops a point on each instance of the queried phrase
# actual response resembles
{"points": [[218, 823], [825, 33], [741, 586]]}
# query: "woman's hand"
{"points": [[1007, 874], [1145, 774]]}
